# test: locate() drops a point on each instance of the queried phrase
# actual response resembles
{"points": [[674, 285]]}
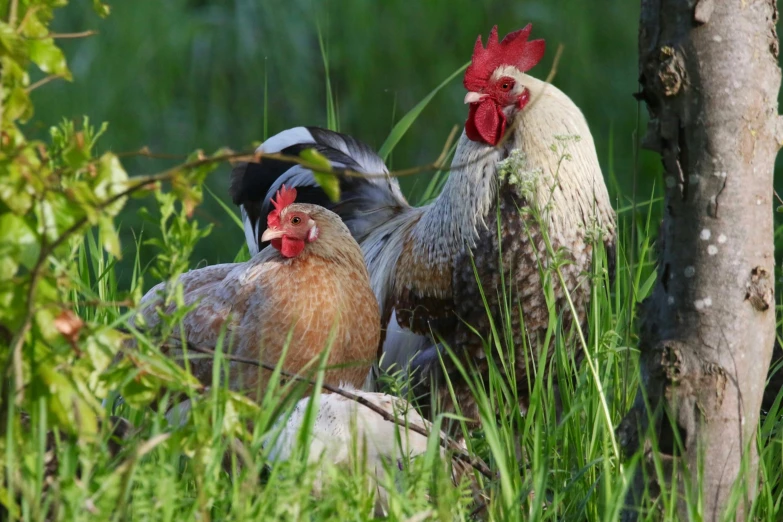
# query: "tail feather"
{"points": [[365, 203]]}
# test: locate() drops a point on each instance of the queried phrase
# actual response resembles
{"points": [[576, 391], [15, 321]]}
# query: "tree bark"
{"points": [[710, 79]]}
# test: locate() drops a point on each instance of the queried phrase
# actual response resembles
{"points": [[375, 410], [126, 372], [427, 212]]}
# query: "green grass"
{"points": [[211, 467], [214, 467]]}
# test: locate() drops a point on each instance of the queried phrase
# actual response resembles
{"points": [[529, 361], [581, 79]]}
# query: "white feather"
{"points": [[286, 139], [400, 346], [344, 429], [251, 232]]}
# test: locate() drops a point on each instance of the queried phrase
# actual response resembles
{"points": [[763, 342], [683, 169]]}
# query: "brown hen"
{"points": [[311, 284]]}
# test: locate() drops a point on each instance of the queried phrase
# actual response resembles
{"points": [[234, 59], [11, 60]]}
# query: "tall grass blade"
{"points": [[406, 121]]}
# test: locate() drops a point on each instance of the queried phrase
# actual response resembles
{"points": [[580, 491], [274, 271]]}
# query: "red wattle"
{"points": [[288, 246], [486, 122]]}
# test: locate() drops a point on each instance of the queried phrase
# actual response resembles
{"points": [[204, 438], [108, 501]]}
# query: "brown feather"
{"points": [[321, 298]]}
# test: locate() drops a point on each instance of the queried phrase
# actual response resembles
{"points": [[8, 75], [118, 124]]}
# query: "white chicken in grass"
{"points": [[346, 433]]}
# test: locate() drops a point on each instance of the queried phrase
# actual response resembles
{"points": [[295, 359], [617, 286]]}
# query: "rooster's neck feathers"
{"points": [[555, 142], [452, 221]]}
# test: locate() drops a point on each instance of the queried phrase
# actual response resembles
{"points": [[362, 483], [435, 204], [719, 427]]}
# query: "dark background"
{"points": [[179, 75]]}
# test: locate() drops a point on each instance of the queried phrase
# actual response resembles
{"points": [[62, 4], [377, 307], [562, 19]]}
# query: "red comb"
{"points": [[514, 50], [283, 198]]}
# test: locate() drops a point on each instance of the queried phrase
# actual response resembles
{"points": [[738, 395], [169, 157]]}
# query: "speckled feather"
{"points": [[322, 292], [419, 259], [571, 201]]}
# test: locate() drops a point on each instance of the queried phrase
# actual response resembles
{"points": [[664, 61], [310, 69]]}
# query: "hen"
{"points": [[344, 430], [525, 189], [311, 284]]}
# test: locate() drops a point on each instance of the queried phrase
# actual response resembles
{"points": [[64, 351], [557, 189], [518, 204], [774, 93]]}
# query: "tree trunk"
{"points": [[710, 79]]}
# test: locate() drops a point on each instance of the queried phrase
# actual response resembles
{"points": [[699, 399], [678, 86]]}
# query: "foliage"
{"points": [[196, 75], [56, 197], [64, 323]]}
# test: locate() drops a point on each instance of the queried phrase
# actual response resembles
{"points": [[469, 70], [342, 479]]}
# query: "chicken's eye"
{"points": [[296, 220], [506, 86]]}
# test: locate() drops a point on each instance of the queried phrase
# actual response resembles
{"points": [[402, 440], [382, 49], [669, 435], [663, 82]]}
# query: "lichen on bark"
{"points": [[710, 80]]}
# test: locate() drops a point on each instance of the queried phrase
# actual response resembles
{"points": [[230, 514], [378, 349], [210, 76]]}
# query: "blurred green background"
{"points": [[177, 75]]}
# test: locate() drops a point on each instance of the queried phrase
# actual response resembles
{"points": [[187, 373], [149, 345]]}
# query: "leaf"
{"points": [[48, 57], [406, 121], [316, 160], [322, 172], [329, 183], [11, 44], [227, 209], [20, 107], [109, 236], [101, 9], [189, 195], [67, 407], [140, 391], [18, 244], [69, 325], [111, 181]]}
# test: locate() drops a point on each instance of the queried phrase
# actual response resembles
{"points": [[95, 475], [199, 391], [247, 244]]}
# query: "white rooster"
{"points": [[525, 190]]}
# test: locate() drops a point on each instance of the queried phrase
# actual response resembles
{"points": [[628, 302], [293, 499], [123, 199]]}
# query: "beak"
{"points": [[270, 234], [474, 97]]}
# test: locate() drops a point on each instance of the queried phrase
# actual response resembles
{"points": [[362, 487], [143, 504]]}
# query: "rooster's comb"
{"points": [[284, 197], [513, 50]]}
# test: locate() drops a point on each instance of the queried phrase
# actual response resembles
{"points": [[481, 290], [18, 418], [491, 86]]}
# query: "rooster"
{"points": [[525, 187], [311, 285]]}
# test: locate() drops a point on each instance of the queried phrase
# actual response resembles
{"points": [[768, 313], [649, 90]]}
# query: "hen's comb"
{"points": [[513, 50], [284, 197]]}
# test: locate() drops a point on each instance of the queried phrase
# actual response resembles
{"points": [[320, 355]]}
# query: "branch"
{"points": [[27, 14], [17, 342], [12, 10], [43, 81], [445, 440], [65, 36]]}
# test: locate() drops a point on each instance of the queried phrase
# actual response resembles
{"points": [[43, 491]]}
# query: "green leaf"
{"points": [[48, 57], [70, 411], [103, 10], [406, 121], [227, 209], [111, 181], [109, 236], [20, 107], [316, 160], [329, 183], [11, 44], [322, 172], [18, 244]]}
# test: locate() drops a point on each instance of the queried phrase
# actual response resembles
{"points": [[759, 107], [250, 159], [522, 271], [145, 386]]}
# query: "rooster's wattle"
{"points": [[525, 188]]}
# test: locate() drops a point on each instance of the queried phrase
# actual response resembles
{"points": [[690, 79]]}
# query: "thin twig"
{"points": [[12, 10], [478, 509], [145, 152], [27, 14], [65, 36], [438, 164], [445, 441], [47, 249], [43, 81]]}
